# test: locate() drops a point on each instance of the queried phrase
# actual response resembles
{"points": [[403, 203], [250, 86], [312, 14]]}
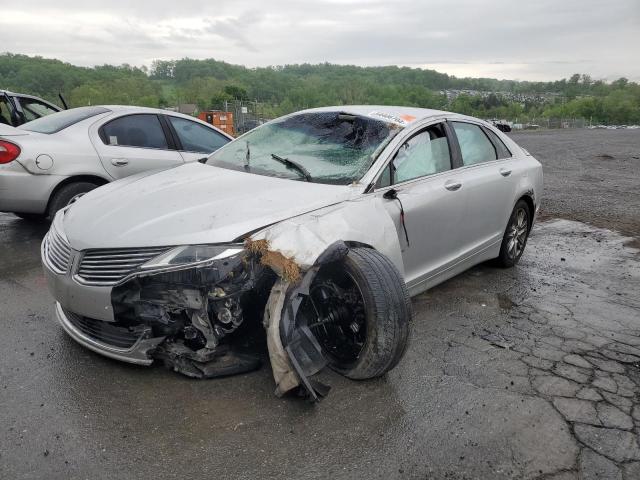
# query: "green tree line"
{"points": [[208, 83]]}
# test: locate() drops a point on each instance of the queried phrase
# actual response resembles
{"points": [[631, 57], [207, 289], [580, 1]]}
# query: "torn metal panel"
{"points": [[303, 239], [283, 373]]}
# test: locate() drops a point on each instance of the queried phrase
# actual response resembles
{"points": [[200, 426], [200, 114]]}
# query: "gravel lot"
{"points": [[592, 176], [532, 372]]}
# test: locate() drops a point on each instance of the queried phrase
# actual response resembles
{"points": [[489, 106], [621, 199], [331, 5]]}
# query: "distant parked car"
{"points": [[18, 108], [48, 163]]}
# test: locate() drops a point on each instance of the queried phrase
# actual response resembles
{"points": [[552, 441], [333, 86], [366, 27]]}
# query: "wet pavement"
{"points": [[532, 372]]}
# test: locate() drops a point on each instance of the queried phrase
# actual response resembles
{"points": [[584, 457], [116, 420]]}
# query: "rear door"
{"points": [[8, 113], [195, 140], [486, 174], [134, 143]]}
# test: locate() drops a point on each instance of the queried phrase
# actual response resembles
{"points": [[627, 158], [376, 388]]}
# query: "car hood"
{"points": [[191, 204]]}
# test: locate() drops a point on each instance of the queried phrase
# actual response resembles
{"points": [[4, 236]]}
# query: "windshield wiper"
{"points": [[295, 165]]}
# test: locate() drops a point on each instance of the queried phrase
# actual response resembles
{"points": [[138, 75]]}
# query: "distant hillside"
{"points": [[286, 88]]}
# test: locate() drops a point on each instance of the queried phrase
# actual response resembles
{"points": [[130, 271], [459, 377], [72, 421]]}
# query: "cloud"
{"points": [[545, 39]]}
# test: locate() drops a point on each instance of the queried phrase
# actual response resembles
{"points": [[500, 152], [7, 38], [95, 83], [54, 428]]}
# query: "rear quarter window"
{"points": [[501, 148]]}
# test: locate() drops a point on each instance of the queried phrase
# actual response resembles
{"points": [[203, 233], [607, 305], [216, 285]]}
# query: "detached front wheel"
{"points": [[359, 311]]}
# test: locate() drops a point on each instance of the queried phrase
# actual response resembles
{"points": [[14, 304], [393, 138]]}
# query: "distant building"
{"points": [[188, 108]]}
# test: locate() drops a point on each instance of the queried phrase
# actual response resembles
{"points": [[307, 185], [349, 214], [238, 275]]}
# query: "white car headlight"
{"points": [[192, 254]]}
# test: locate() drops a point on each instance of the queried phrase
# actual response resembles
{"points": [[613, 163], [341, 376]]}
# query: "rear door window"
{"points": [[475, 146], [195, 137], [139, 130]]}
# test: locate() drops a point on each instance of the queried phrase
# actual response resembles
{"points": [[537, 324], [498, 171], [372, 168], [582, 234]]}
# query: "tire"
{"points": [[386, 313], [510, 253], [31, 217], [68, 194]]}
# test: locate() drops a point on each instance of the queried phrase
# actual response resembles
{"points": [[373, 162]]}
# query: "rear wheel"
{"points": [[67, 195], [515, 236], [359, 311]]}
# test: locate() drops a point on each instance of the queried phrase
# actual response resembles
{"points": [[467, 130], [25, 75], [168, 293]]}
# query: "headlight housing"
{"points": [[192, 255]]}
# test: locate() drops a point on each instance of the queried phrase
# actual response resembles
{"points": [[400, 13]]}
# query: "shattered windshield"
{"points": [[321, 147]]}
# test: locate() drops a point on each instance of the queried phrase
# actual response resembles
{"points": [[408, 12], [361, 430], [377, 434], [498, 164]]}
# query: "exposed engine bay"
{"points": [[195, 309]]}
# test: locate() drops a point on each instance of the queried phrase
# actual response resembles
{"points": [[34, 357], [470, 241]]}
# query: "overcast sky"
{"points": [[526, 39]]}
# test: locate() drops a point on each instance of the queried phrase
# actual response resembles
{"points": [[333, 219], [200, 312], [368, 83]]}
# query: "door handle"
{"points": [[505, 172], [119, 162], [452, 185]]}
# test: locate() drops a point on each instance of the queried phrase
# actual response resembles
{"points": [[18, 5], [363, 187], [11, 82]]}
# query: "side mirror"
{"points": [[203, 159]]}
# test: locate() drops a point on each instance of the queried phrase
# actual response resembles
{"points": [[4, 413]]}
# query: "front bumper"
{"points": [[138, 353], [86, 300], [86, 314]]}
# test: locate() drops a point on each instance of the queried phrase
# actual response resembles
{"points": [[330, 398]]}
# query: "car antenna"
{"points": [[64, 103], [247, 158], [392, 194]]}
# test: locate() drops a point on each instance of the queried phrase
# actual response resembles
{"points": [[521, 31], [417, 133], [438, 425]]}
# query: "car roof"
{"points": [[395, 114], [133, 108]]}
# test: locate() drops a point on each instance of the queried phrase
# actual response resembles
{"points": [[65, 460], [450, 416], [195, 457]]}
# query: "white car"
{"points": [[48, 163], [320, 225]]}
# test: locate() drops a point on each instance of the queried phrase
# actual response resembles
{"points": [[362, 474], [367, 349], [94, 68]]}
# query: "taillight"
{"points": [[8, 151]]}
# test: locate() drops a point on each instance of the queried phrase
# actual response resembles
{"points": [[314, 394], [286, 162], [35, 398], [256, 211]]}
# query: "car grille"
{"points": [[109, 266], [57, 252], [106, 332]]}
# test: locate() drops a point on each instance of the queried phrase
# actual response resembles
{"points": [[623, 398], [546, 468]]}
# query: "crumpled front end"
{"points": [[198, 308]]}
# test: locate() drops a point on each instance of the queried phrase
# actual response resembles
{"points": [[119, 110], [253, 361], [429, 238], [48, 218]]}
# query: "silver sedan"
{"points": [[319, 225], [48, 163]]}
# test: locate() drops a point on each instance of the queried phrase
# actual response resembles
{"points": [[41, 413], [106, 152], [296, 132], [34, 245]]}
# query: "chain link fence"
{"points": [[250, 114], [246, 114], [547, 123]]}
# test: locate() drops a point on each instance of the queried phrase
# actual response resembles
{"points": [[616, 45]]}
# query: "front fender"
{"points": [[305, 238]]}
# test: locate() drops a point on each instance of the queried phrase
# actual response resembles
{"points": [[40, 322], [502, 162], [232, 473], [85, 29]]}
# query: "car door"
{"points": [[6, 110], [486, 175], [9, 109], [33, 108], [134, 143], [419, 181], [195, 140]]}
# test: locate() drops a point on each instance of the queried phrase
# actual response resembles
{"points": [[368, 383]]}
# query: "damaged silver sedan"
{"points": [[317, 227]]}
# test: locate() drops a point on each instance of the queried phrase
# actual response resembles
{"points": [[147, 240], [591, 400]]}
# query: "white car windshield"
{"points": [[322, 147]]}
